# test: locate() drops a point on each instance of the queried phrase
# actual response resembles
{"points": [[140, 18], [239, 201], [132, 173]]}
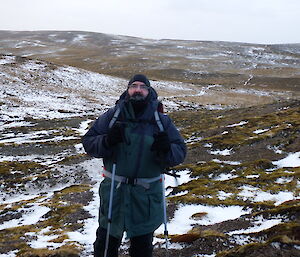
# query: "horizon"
{"points": [[258, 22], [173, 39]]}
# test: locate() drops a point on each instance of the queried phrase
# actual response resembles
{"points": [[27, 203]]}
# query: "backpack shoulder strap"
{"points": [[158, 121], [156, 116], [115, 117]]}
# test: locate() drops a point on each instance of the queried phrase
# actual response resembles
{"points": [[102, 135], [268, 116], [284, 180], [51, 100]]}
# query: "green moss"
{"points": [[282, 124], [204, 189], [195, 234], [287, 229], [72, 189], [16, 237], [205, 170], [60, 239], [62, 210], [285, 233], [61, 143], [258, 165], [72, 159], [6, 167], [207, 232], [14, 233], [62, 218], [66, 132], [241, 251], [64, 251], [58, 216]]}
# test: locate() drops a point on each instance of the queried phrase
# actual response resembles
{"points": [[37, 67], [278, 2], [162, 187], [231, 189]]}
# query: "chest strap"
{"points": [[144, 182]]}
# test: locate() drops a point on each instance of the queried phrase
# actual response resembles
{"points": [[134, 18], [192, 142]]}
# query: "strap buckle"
{"points": [[130, 181]]}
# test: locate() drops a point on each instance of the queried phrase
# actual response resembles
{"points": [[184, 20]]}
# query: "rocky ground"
{"points": [[242, 163], [62, 184], [250, 167]]}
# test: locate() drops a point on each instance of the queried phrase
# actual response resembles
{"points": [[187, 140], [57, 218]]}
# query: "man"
{"points": [[129, 136]]}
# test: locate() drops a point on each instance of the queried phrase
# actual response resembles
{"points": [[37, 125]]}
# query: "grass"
{"points": [[64, 251], [203, 188], [286, 235], [197, 62], [24, 167], [260, 174], [176, 64], [64, 216]]}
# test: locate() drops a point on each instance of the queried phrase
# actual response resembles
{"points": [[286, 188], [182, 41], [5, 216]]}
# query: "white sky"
{"points": [[255, 21]]}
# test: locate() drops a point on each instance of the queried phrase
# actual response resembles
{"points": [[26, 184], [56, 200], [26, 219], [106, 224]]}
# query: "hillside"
{"points": [[238, 194], [200, 62]]}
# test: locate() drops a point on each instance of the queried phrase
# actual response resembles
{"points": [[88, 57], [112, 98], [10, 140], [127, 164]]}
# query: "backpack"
{"points": [[160, 126], [156, 116]]}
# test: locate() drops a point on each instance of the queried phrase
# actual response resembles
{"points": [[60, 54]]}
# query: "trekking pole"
{"points": [[161, 129], [109, 217], [165, 213]]}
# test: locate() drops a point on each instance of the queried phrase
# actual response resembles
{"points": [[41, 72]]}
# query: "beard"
{"points": [[137, 97], [139, 103]]}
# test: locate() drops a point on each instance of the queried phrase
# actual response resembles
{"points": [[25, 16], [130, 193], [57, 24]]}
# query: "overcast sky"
{"points": [[253, 21]]}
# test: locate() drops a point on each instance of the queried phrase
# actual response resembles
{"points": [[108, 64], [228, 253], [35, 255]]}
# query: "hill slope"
{"points": [[238, 194], [200, 62]]}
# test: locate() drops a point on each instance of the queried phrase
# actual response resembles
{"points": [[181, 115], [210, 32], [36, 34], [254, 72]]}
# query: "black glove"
{"points": [[114, 136], [161, 143]]}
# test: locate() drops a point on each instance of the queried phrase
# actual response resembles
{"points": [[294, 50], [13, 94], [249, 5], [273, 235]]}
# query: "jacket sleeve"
{"points": [[93, 140], [178, 148]]}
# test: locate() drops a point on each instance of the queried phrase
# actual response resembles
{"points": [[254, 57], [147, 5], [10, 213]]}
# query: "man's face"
{"points": [[138, 90]]}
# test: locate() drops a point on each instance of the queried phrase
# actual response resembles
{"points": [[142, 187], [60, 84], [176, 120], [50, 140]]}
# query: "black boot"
{"points": [[141, 246], [99, 244]]}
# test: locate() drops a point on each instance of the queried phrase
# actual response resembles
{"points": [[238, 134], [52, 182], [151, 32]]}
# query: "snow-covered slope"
{"points": [[40, 90], [231, 64], [49, 187]]}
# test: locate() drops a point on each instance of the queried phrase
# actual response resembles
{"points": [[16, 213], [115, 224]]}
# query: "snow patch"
{"points": [[170, 181], [291, 161], [10, 254], [83, 127], [223, 195], [193, 140], [253, 176], [260, 225], [256, 195], [182, 221], [42, 240], [237, 124], [30, 216], [7, 59], [260, 131], [221, 152], [223, 177], [284, 180]]}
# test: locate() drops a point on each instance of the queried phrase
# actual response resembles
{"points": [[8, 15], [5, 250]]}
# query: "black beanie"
{"points": [[141, 78]]}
